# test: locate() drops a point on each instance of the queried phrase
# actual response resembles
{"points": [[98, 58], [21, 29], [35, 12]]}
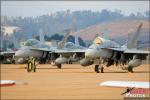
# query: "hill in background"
{"points": [[115, 29], [118, 30], [85, 24]]}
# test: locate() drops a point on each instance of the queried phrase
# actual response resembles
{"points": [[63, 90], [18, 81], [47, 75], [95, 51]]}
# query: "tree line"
{"points": [[57, 22]]}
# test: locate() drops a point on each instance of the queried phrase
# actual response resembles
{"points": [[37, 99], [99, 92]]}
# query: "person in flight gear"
{"points": [[34, 64], [30, 64]]}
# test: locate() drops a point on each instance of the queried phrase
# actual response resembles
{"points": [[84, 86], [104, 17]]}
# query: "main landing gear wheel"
{"points": [[130, 69], [99, 69], [69, 62], [34, 68], [59, 66]]}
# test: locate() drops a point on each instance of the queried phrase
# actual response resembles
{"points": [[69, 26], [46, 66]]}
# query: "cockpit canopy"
{"points": [[69, 45], [31, 42], [98, 40]]}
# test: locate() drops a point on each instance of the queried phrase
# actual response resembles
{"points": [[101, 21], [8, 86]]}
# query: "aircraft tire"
{"points": [[34, 69], [130, 69], [102, 69], [59, 66], [97, 68]]}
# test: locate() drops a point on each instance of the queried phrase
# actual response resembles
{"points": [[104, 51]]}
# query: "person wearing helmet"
{"points": [[30, 64], [34, 64]]}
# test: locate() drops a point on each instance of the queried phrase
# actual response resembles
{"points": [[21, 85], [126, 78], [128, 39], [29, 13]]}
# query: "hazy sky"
{"points": [[36, 8]]}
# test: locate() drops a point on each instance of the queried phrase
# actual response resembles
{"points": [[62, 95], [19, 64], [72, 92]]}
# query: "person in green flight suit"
{"points": [[31, 64], [34, 64]]}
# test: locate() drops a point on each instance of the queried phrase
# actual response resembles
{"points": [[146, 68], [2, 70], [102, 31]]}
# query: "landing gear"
{"points": [[99, 69], [34, 68], [59, 66], [130, 69], [69, 62], [31, 66]]}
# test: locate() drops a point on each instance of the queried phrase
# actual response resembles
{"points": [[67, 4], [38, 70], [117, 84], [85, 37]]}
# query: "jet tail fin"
{"points": [[62, 43], [41, 36], [105, 33], [133, 42], [77, 41], [96, 35]]}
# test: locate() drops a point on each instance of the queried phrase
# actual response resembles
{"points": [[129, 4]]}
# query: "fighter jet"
{"points": [[105, 52], [64, 52], [69, 54], [7, 56], [38, 49]]}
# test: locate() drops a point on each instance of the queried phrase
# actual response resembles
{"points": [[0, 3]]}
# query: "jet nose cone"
{"points": [[18, 53], [91, 54]]}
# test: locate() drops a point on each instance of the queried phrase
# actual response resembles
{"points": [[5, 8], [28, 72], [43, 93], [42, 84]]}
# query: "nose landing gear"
{"points": [[59, 66], [99, 69]]}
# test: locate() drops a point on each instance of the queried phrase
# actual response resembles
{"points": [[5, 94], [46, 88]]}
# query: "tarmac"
{"points": [[71, 82]]}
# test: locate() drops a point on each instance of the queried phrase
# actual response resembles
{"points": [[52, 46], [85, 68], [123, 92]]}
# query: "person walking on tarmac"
{"points": [[34, 64], [31, 64], [29, 67]]}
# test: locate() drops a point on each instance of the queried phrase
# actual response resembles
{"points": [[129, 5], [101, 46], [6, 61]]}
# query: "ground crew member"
{"points": [[34, 64], [30, 64]]}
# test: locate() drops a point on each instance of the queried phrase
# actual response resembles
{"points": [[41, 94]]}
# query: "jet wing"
{"points": [[136, 51], [115, 49], [41, 49], [59, 50], [7, 53], [70, 51], [130, 51], [126, 84]]}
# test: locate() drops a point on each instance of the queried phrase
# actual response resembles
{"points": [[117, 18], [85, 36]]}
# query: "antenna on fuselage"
{"points": [[41, 36], [62, 43], [105, 33]]}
